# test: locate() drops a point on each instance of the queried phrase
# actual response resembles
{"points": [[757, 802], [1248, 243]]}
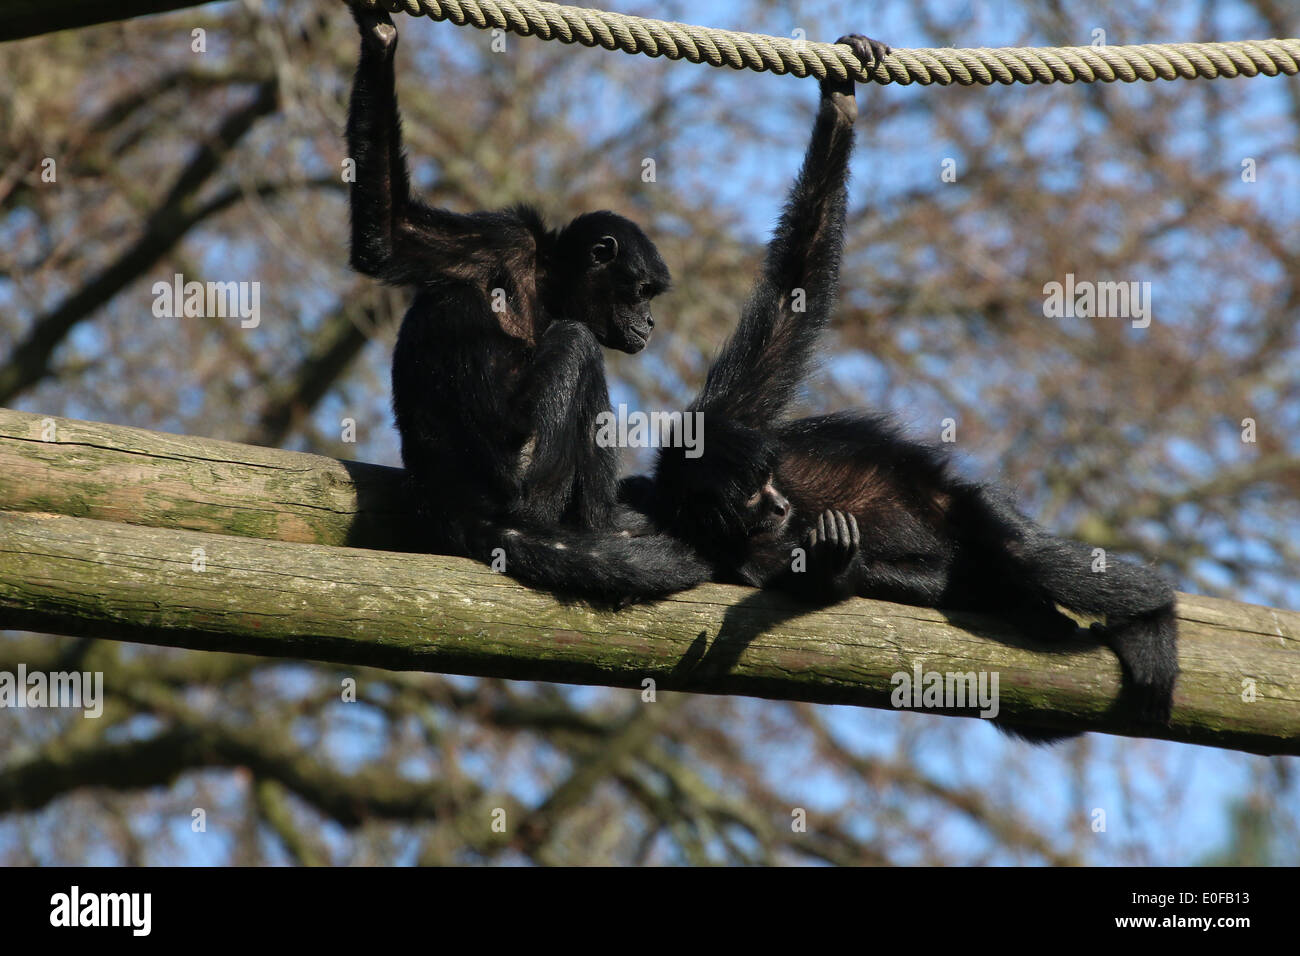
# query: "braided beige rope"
{"points": [[752, 51]]}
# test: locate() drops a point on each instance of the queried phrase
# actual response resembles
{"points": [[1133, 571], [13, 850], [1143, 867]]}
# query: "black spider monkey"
{"points": [[873, 513], [498, 374]]}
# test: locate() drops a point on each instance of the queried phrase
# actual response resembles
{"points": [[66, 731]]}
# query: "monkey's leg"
{"points": [[1137, 602], [460, 444], [1138, 606]]}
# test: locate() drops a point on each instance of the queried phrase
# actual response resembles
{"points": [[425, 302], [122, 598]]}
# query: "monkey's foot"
{"points": [[1149, 659]]}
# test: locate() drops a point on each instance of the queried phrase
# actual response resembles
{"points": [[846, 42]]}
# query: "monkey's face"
{"points": [[767, 511], [727, 494], [616, 306], [613, 271], [725, 510], [630, 323]]}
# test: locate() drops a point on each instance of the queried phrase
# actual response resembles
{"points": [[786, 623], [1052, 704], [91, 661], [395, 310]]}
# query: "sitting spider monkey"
{"points": [[838, 505], [498, 375]]}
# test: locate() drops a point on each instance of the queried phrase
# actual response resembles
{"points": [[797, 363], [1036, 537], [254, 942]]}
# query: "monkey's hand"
{"points": [[840, 92], [377, 29], [834, 542]]}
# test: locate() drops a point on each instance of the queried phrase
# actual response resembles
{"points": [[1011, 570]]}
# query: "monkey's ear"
{"points": [[605, 250]]}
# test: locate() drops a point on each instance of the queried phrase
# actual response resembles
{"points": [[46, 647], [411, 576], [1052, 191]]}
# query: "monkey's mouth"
{"points": [[769, 526], [635, 338]]}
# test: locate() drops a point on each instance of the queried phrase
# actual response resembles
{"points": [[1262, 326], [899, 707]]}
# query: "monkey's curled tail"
{"points": [[603, 567], [1138, 604]]}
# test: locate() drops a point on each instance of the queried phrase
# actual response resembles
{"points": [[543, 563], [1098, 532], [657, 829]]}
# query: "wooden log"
{"points": [[134, 476], [67, 575]]}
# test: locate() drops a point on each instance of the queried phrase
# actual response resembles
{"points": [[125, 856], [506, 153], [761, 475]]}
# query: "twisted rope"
{"points": [[753, 51]]}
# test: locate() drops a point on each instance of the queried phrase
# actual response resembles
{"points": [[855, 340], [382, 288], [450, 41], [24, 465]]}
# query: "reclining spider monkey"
{"points": [[871, 512]]}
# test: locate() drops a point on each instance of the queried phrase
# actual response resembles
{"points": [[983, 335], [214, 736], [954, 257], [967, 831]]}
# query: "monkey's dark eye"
{"points": [[753, 501]]}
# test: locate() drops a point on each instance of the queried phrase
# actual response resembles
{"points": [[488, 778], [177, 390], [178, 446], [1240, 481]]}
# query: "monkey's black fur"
{"points": [[875, 514], [498, 374]]}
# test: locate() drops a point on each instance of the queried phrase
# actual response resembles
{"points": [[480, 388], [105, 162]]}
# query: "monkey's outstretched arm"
{"points": [[754, 378], [395, 238]]}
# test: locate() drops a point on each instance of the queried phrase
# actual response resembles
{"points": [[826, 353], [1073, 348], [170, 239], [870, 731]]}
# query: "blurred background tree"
{"points": [[224, 165]]}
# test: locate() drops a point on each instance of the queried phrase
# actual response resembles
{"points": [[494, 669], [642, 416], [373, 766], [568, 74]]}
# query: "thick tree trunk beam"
{"points": [[101, 578], [116, 473], [27, 18]]}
